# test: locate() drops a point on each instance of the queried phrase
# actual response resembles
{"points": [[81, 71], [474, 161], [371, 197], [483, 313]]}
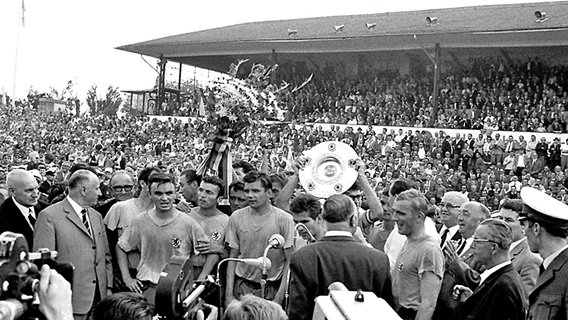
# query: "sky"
{"points": [[64, 40]]}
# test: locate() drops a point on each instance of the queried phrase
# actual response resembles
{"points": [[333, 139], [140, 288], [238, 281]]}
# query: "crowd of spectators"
{"points": [[489, 93], [487, 167]]}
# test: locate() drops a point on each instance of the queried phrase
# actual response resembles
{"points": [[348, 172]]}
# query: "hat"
{"points": [[540, 207], [51, 171]]}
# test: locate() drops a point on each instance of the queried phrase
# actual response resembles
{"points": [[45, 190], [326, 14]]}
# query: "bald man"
{"points": [[76, 231], [18, 213]]}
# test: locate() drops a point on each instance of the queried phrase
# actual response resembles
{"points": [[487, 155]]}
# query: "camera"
{"points": [[19, 276]]}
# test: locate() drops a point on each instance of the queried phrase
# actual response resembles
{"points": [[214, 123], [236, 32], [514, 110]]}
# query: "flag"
{"points": [[23, 14]]}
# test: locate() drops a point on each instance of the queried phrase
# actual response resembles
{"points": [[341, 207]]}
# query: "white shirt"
{"points": [[337, 233], [490, 271], [26, 212], [78, 208], [451, 233], [468, 243], [551, 258]]}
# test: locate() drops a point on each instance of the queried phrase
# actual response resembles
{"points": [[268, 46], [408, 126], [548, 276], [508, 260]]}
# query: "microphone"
{"points": [[276, 241], [257, 262], [260, 262], [302, 226]]}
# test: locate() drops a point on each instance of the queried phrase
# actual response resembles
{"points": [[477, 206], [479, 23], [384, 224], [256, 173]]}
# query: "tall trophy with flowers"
{"points": [[232, 105]]}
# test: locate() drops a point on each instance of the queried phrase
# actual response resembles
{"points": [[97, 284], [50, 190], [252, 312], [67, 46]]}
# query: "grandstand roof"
{"points": [[511, 25]]}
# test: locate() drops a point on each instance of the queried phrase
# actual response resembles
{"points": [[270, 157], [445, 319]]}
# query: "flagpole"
{"points": [[17, 52]]}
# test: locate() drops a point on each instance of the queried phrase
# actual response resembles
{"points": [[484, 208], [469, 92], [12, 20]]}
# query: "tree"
{"points": [[109, 105], [92, 99]]}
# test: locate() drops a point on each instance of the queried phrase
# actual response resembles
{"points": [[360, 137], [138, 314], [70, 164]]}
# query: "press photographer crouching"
{"points": [[29, 293]]}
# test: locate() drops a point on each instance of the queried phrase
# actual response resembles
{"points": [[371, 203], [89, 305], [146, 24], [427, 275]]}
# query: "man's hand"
{"points": [[450, 252], [461, 293], [209, 247], [360, 167], [134, 285], [299, 163], [183, 206], [213, 313], [54, 295]]}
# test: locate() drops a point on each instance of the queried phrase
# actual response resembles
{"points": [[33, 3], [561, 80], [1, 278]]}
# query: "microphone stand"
{"points": [[264, 275]]}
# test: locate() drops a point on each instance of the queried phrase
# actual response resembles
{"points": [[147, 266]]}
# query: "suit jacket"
{"points": [[549, 298], [464, 270], [59, 228], [12, 219], [499, 297], [314, 267], [534, 167], [527, 266]]}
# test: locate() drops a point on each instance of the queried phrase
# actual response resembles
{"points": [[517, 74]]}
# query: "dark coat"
{"points": [[499, 297], [12, 219], [549, 298], [314, 267]]}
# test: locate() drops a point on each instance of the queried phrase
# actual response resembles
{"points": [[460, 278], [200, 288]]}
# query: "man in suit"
{"points": [[450, 205], [545, 222], [77, 233], [337, 257], [19, 213], [535, 165], [461, 265], [499, 295], [525, 262]]}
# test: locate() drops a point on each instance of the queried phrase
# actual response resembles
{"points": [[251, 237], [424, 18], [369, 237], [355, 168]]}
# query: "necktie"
{"points": [[86, 221], [541, 269], [31, 217], [461, 246], [443, 237]]}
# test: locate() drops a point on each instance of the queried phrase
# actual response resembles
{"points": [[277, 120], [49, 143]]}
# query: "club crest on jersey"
{"points": [[176, 242], [216, 235]]}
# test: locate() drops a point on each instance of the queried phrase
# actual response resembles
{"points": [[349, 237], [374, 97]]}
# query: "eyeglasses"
{"points": [[448, 206], [483, 240], [126, 188]]}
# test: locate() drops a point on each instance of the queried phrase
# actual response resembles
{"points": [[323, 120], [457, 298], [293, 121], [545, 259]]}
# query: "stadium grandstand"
{"points": [[453, 68]]}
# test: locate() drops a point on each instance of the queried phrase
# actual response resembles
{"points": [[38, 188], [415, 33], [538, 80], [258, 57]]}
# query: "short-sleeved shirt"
{"points": [[249, 232], [158, 243], [119, 217], [417, 256], [214, 227]]}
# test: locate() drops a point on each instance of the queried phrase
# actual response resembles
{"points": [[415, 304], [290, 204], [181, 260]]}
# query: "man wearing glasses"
{"points": [[121, 188], [545, 222], [121, 215], [499, 294], [450, 205], [461, 266]]}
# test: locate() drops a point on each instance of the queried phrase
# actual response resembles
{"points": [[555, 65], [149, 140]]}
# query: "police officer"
{"points": [[545, 222]]}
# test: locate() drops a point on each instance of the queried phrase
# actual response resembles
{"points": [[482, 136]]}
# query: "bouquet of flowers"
{"points": [[233, 104]]}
